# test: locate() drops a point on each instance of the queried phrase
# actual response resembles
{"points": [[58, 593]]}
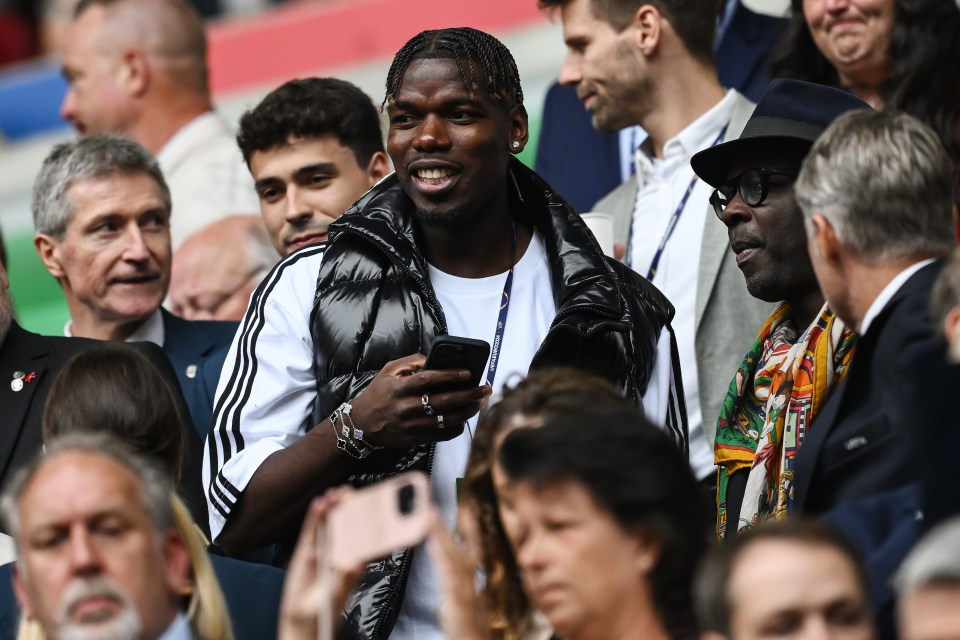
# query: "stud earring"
{"points": [[516, 145]]}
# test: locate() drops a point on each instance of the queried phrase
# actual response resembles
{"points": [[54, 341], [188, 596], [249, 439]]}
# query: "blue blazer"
{"points": [[864, 442], [742, 52], [197, 350]]}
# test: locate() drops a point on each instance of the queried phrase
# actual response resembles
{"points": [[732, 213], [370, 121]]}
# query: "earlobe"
{"points": [[179, 566], [135, 72], [649, 550], [951, 325], [648, 27], [49, 251], [519, 129], [20, 591], [378, 167], [825, 239]]}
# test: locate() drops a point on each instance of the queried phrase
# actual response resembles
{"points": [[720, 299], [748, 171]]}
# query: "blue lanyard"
{"points": [[674, 219], [502, 318]]}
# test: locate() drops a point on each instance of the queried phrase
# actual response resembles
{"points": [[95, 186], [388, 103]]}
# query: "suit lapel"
{"points": [[19, 353], [184, 344], [715, 243], [809, 453], [620, 204]]}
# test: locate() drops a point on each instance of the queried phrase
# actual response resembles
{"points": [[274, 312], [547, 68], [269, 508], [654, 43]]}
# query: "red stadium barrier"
{"points": [[307, 37]]}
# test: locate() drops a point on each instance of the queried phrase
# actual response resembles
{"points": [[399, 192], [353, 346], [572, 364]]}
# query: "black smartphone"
{"points": [[454, 352]]}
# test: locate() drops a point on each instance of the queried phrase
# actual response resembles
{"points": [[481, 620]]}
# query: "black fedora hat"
{"points": [[790, 114]]}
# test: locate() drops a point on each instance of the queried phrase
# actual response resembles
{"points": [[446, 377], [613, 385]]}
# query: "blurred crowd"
{"points": [[689, 376]]}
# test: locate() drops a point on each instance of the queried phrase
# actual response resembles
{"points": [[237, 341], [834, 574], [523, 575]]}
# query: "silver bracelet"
{"points": [[349, 438]]}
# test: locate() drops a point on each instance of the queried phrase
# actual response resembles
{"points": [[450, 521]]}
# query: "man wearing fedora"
{"points": [[802, 350]]}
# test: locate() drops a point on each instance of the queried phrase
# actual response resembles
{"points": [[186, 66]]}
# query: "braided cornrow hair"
{"points": [[501, 78]]}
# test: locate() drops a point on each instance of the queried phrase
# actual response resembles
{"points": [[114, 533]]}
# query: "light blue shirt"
{"points": [[179, 629]]}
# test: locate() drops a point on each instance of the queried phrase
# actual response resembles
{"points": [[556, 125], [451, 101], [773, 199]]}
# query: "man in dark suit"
{"points": [[101, 209], [29, 363], [877, 194]]}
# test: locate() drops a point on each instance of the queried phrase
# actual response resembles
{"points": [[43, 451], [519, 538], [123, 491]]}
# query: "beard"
{"points": [[626, 95], [126, 625], [448, 219]]}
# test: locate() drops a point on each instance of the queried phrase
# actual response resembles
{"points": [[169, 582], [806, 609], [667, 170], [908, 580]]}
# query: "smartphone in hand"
{"points": [[371, 522], [454, 352]]}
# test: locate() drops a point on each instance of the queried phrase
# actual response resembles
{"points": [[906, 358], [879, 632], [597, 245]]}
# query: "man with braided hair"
{"points": [[333, 341]]}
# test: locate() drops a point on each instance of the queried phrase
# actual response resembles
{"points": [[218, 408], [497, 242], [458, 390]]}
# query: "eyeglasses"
{"points": [[198, 308], [753, 187]]}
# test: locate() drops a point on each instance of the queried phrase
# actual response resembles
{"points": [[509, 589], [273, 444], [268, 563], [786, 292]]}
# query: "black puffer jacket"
{"points": [[374, 303]]}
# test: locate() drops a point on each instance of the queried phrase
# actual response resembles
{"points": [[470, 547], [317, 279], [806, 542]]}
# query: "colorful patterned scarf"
{"points": [[775, 394]]}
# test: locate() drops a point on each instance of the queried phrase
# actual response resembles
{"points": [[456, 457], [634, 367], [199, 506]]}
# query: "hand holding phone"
{"points": [[454, 352]]}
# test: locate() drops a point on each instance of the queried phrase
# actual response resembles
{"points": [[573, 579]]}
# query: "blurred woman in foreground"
{"points": [[571, 488]]}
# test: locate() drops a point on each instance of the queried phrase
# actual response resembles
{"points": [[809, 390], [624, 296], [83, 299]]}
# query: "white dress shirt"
{"points": [[887, 293], [661, 184], [150, 331]]}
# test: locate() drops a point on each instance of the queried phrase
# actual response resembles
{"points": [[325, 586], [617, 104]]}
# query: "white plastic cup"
{"points": [[601, 225]]}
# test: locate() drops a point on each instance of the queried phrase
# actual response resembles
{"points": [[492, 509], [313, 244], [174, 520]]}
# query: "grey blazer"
{"points": [[728, 317]]}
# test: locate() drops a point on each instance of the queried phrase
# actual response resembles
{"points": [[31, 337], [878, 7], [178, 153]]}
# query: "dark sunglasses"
{"points": [[753, 186]]}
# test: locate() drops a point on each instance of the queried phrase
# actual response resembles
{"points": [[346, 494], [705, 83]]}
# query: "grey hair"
{"points": [[935, 560], [885, 183], [152, 481], [82, 160]]}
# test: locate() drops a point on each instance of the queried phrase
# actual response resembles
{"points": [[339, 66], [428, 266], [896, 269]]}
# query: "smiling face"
{"points": [[450, 148], [809, 591], [91, 563], [854, 35], [95, 101], [604, 66], [114, 258], [580, 568], [769, 240], [307, 184]]}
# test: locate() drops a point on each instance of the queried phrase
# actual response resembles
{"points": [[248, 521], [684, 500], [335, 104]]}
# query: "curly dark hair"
{"points": [[497, 68], [924, 77], [539, 398], [310, 108]]}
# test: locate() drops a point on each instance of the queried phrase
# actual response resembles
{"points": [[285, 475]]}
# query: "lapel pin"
{"points": [[191, 371], [19, 378]]}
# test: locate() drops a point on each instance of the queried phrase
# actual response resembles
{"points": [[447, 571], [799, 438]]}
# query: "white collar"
{"points": [[880, 302], [697, 135], [150, 331]]}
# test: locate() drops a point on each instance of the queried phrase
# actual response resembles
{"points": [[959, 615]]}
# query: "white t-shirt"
{"points": [[471, 307], [267, 388]]}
